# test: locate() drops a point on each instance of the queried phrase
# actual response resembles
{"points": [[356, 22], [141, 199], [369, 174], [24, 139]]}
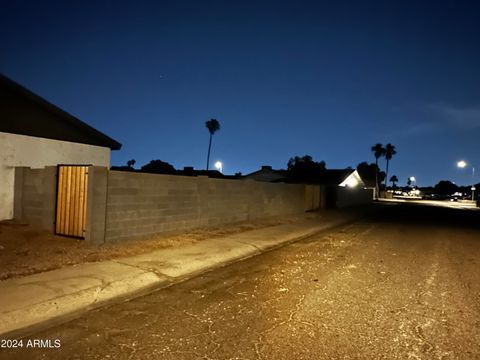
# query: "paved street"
{"points": [[403, 283]]}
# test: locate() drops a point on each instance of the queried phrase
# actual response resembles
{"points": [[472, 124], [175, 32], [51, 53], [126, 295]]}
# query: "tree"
{"points": [[445, 187], [370, 173], [213, 126], [127, 167], [394, 181], [158, 167], [389, 152], [130, 163], [378, 152], [304, 168]]}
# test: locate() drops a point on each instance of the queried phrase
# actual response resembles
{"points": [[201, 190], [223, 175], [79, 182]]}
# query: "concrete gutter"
{"points": [[31, 303]]}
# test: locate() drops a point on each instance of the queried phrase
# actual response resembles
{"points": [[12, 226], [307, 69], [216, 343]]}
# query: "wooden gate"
{"points": [[71, 212]]}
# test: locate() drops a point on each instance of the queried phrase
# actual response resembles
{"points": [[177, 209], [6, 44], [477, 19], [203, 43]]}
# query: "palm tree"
{"points": [[394, 181], [212, 125], [389, 152], [378, 152]]}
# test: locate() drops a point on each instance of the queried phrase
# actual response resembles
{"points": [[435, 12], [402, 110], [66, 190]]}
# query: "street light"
{"points": [[219, 166], [413, 180], [463, 164]]}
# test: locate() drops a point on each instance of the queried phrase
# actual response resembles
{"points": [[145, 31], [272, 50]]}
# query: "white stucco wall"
{"points": [[353, 180], [34, 152]]}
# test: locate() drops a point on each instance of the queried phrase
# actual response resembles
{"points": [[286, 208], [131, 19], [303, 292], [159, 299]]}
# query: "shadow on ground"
{"points": [[418, 214]]}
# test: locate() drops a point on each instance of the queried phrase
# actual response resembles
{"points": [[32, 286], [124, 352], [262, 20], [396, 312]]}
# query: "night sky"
{"points": [[328, 79]]}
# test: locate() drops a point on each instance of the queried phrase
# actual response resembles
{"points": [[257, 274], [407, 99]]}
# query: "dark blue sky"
{"points": [[329, 79]]}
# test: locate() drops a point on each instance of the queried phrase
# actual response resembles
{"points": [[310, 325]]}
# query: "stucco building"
{"points": [[35, 133]]}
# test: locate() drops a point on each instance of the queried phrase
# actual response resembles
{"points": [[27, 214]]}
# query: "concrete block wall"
{"points": [[96, 204], [127, 205], [139, 205], [142, 205], [35, 196], [313, 198]]}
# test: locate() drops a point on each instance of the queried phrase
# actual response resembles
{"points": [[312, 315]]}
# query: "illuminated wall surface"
{"points": [[34, 152]]}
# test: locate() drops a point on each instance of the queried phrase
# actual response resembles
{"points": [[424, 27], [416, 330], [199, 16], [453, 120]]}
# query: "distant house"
{"points": [[266, 173], [343, 188], [328, 188], [328, 177], [340, 177], [35, 133]]}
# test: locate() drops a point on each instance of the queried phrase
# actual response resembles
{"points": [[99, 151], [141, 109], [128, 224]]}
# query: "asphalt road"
{"points": [[403, 283]]}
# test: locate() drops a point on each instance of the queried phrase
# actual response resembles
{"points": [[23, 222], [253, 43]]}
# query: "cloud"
{"points": [[419, 128], [459, 117], [433, 119]]}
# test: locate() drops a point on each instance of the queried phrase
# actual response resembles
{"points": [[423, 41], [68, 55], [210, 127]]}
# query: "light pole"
{"points": [[219, 166], [462, 164]]}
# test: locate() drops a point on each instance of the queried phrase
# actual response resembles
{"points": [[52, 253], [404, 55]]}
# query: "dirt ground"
{"points": [[25, 250]]}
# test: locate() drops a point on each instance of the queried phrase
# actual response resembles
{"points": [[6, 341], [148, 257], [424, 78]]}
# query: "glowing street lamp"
{"points": [[413, 180], [219, 166], [463, 164]]}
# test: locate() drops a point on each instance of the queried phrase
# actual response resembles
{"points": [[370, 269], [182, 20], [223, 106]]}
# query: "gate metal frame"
{"points": [[80, 228]]}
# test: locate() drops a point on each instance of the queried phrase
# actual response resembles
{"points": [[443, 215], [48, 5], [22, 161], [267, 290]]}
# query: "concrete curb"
{"points": [[35, 302]]}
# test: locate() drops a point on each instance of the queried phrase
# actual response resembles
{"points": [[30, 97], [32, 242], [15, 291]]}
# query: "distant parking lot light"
{"points": [[462, 164], [219, 166]]}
